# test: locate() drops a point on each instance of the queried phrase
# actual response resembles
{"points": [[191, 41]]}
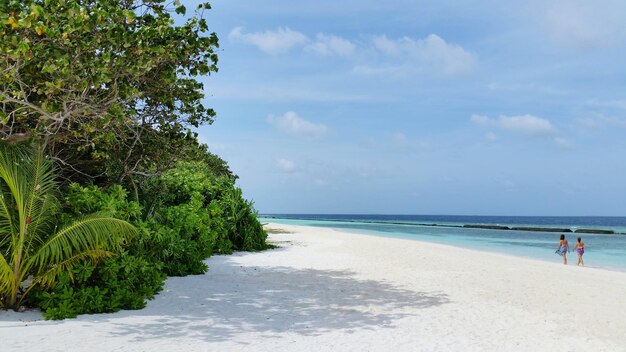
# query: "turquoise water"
{"points": [[603, 251]]}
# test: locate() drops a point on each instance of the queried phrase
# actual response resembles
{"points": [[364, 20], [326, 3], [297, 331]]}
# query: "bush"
{"points": [[231, 219], [81, 200], [186, 215], [245, 232], [180, 237], [122, 282]]}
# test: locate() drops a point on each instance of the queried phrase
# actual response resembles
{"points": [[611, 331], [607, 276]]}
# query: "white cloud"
{"points": [[600, 120], [293, 124], [286, 165], [329, 45], [481, 119], [526, 124], [584, 24], [433, 50], [491, 137], [563, 143], [271, 42]]}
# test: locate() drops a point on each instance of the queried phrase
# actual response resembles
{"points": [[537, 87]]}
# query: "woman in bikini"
{"points": [[563, 248], [580, 249]]}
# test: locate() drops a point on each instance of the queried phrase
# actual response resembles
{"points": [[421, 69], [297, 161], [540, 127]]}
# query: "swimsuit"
{"points": [[580, 250], [561, 250]]}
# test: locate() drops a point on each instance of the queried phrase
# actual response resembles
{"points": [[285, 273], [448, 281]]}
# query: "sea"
{"points": [[538, 238]]}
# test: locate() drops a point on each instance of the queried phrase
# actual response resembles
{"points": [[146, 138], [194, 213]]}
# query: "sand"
{"points": [[326, 290]]}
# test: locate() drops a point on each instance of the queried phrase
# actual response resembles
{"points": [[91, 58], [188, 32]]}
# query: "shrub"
{"points": [[34, 249], [187, 214], [231, 218], [180, 237], [245, 232], [123, 282]]}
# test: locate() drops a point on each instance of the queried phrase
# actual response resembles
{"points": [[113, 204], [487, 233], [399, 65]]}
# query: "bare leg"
{"points": [[564, 259], [580, 259]]}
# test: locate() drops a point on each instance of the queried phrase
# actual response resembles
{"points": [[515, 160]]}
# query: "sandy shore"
{"points": [[326, 290]]}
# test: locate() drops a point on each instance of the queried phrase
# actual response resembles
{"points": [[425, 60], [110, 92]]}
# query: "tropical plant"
{"points": [[111, 86], [122, 282], [34, 248]]}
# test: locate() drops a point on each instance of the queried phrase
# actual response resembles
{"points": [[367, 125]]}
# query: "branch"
{"points": [[145, 174], [72, 167], [6, 98]]}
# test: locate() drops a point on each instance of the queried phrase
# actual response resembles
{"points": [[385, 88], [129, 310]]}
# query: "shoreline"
{"points": [[480, 226], [325, 289], [539, 247]]}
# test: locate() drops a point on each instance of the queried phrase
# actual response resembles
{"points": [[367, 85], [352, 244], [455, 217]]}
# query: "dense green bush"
{"points": [[187, 215], [122, 282], [245, 232], [233, 219], [34, 247], [180, 237], [81, 200]]}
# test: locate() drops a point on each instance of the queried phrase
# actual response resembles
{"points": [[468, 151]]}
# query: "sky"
{"points": [[422, 107]]}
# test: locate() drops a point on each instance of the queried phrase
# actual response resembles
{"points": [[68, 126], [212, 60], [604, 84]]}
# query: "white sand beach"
{"points": [[326, 290]]}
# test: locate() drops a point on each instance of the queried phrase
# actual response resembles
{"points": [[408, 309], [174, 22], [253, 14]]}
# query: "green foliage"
{"points": [[123, 282], [232, 218], [29, 244], [245, 231], [194, 214], [181, 238], [85, 200], [110, 86], [184, 227], [111, 90]]}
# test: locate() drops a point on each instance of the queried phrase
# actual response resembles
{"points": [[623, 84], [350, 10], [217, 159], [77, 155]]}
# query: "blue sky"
{"points": [[422, 107]]}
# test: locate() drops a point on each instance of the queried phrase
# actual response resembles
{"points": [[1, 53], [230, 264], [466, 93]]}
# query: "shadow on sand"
{"points": [[231, 299]]}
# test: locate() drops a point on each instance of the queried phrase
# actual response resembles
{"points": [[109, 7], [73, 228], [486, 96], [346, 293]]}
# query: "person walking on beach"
{"points": [[580, 249], [563, 248]]}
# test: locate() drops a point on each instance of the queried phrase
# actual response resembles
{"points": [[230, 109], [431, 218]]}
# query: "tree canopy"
{"points": [[110, 87]]}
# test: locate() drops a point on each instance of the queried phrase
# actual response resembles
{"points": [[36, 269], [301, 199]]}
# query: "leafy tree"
{"points": [[31, 245], [109, 86]]}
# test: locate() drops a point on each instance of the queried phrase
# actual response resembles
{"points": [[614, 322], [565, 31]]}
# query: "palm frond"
{"points": [[6, 276], [13, 161], [41, 187], [7, 227], [95, 232], [41, 222]]}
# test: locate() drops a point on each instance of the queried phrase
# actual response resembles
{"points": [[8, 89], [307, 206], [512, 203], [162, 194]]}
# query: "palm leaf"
{"points": [[10, 161], [7, 227], [27, 206], [49, 277], [95, 232], [6, 275], [39, 202]]}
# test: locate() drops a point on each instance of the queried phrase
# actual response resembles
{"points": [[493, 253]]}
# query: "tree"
{"points": [[32, 247], [108, 86]]}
